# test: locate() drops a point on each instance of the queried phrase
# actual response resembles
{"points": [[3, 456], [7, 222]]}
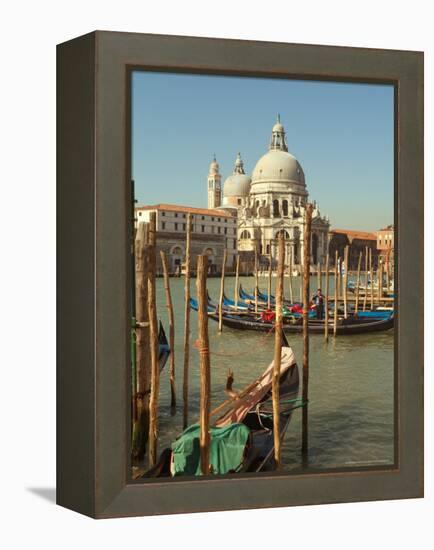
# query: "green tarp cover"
{"points": [[226, 452]]}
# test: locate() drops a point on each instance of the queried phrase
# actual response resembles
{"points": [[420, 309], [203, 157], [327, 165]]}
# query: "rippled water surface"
{"points": [[350, 385]]}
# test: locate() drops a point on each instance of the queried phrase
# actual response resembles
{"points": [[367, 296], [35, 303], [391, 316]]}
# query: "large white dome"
{"points": [[278, 166]]}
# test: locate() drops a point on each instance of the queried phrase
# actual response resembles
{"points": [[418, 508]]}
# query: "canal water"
{"points": [[351, 384]]}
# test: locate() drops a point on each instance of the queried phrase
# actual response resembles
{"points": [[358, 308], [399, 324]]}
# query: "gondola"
{"points": [[240, 305], [249, 308], [250, 410], [163, 347], [386, 292], [378, 312], [262, 298], [352, 325], [228, 304]]}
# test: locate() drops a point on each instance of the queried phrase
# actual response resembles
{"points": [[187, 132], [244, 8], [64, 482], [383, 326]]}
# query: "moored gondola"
{"points": [[354, 324], [262, 298], [242, 438]]}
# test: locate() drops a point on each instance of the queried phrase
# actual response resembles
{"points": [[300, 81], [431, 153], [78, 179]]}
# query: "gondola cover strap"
{"points": [[226, 452]]}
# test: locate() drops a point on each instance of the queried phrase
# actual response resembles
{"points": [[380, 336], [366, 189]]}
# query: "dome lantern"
{"points": [[278, 139], [278, 171], [239, 165]]}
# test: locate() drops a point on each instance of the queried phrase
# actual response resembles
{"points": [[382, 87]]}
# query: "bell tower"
{"points": [[214, 185]]}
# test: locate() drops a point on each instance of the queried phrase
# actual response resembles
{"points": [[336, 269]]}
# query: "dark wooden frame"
{"points": [[94, 220]]}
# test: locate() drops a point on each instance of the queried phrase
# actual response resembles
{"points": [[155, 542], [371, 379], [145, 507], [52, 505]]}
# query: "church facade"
{"points": [[270, 202]]}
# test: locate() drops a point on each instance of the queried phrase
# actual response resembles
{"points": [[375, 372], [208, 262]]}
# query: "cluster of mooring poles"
{"points": [[368, 291]]}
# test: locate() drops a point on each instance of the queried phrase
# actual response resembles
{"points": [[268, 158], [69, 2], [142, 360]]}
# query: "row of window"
{"points": [[387, 241], [178, 251], [213, 219], [267, 251], [276, 207], [202, 230], [246, 234]]}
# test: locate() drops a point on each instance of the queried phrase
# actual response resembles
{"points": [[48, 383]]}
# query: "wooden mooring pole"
{"points": [[365, 296], [169, 305], [318, 276], [356, 307], [153, 345], [336, 283], [222, 289], [205, 370], [345, 282], [388, 267], [278, 349], [237, 275], [301, 281], [186, 323], [270, 273], [306, 292], [371, 270], [380, 280], [256, 278], [326, 296], [143, 366], [291, 295]]}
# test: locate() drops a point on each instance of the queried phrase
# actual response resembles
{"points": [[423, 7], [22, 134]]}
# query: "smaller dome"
{"points": [[237, 185]]}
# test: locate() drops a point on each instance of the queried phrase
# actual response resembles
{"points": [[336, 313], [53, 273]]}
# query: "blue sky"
{"points": [[342, 135]]}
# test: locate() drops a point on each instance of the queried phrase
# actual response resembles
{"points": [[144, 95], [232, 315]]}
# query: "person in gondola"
{"points": [[318, 302]]}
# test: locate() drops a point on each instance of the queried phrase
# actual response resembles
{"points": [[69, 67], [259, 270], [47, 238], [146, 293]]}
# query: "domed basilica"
{"points": [[272, 201]]}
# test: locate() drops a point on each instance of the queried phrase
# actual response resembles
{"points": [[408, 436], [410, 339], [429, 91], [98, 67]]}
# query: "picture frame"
{"points": [[94, 269]]}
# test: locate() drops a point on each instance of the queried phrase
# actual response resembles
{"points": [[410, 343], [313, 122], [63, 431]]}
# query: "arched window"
{"points": [[285, 208], [296, 253], [245, 235], [283, 232], [177, 251], [276, 213]]}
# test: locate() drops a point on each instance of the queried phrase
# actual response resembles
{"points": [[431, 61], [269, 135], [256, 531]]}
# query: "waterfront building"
{"points": [[213, 230], [357, 241], [386, 241], [385, 246], [269, 202]]}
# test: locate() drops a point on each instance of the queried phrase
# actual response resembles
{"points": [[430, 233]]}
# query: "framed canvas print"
{"points": [[240, 274]]}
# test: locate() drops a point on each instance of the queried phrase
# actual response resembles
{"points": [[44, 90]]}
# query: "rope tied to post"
{"points": [[203, 350]]}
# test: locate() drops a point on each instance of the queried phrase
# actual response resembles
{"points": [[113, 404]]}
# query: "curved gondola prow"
{"points": [[243, 294], [162, 338], [285, 343], [164, 350]]}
